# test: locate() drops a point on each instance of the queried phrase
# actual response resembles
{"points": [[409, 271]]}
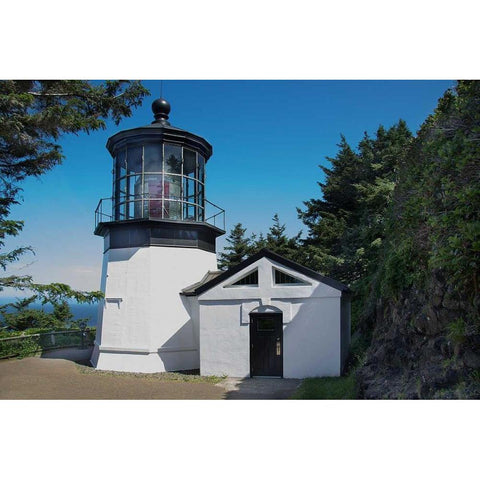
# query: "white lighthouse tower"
{"points": [[159, 237]]}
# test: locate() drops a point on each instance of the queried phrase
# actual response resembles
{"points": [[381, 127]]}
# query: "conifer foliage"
{"points": [[346, 226], [34, 115], [238, 249], [241, 247]]}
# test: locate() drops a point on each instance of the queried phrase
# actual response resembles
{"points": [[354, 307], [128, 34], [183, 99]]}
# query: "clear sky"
{"points": [[268, 139]]}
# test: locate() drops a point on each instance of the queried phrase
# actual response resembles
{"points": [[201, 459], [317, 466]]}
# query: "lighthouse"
{"points": [[159, 234]]}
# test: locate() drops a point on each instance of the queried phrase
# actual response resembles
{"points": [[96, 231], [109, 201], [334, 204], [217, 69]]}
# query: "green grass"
{"points": [[327, 388], [190, 377]]}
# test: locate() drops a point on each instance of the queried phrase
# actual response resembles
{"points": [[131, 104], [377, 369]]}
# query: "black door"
{"points": [[266, 345]]}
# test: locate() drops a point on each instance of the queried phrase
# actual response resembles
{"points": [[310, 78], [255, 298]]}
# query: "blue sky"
{"points": [[268, 139]]}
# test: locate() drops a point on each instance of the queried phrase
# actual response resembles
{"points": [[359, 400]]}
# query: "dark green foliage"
{"points": [[23, 317], [346, 227], [62, 312], [239, 248], [29, 318], [277, 241], [327, 218], [34, 114], [435, 222]]}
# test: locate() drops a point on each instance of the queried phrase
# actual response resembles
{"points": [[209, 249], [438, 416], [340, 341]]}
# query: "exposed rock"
{"points": [[437, 300], [412, 355], [432, 320], [450, 303], [471, 359]]}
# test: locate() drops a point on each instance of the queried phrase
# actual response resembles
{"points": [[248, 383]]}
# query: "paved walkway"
{"points": [[259, 388], [58, 374]]}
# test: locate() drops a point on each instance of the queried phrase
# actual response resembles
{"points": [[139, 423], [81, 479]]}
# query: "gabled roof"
{"points": [[206, 284]]}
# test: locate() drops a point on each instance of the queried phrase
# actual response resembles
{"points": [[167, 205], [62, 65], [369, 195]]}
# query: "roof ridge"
{"points": [[264, 252]]}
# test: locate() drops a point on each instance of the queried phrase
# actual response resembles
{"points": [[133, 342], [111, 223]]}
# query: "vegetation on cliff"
{"points": [[398, 220], [426, 340]]}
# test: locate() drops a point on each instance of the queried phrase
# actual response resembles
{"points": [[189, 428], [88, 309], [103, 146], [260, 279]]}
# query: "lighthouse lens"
{"points": [[159, 181]]}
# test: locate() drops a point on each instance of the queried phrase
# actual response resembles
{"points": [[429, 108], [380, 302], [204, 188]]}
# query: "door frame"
{"points": [[279, 318]]}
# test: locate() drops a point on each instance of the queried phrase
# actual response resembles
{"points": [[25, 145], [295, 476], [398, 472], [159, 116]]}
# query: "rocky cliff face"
{"points": [[426, 331], [424, 346]]}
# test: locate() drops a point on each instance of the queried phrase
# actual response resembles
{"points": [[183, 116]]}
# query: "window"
{"points": [[152, 157], [282, 278], [173, 159], [250, 280], [159, 180], [266, 324]]}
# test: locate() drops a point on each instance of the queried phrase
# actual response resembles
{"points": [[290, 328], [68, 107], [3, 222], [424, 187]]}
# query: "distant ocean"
{"points": [[79, 310]]}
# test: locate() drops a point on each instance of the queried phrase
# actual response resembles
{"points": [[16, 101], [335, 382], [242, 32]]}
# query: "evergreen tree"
{"points": [[62, 312], [33, 117], [23, 317], [239, 248], [346, 226], [435, 219], [278, 242], [327, 218]]}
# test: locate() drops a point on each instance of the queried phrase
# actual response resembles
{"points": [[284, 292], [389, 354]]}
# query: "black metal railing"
{"points": [[25, 345], [145, 207]]}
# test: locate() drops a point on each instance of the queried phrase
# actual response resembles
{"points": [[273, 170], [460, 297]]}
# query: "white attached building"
{"points": [[269, 316]]}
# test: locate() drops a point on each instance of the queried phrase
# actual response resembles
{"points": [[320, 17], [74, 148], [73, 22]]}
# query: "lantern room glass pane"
{"points": [[200, 195], [134, 159], [173, 159], [134, 186], [189, 162], [189, 190], [201, 169], [119, 172], [189, 212], [152, 157], [190, 199], [120, 158], [159, 180], [201, 214], [172, 197], [122, 187], [153, 196]]}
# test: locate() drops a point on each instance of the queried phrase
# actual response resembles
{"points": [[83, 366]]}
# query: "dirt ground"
{"points": [[53, 378], [64, 375]]}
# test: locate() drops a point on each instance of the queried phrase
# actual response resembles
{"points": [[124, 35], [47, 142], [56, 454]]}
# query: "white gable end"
{"points": [[267, 289], [304, 314]]}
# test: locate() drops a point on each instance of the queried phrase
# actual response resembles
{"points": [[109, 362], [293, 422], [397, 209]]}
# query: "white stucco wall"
{"points": [[145, 324], [311, 324]]}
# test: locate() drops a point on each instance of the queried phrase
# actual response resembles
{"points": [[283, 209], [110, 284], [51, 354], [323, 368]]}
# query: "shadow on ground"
{"points": [[259, 388]]}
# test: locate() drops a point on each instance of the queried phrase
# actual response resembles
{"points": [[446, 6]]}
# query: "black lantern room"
{"points": [[159, 189]]}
